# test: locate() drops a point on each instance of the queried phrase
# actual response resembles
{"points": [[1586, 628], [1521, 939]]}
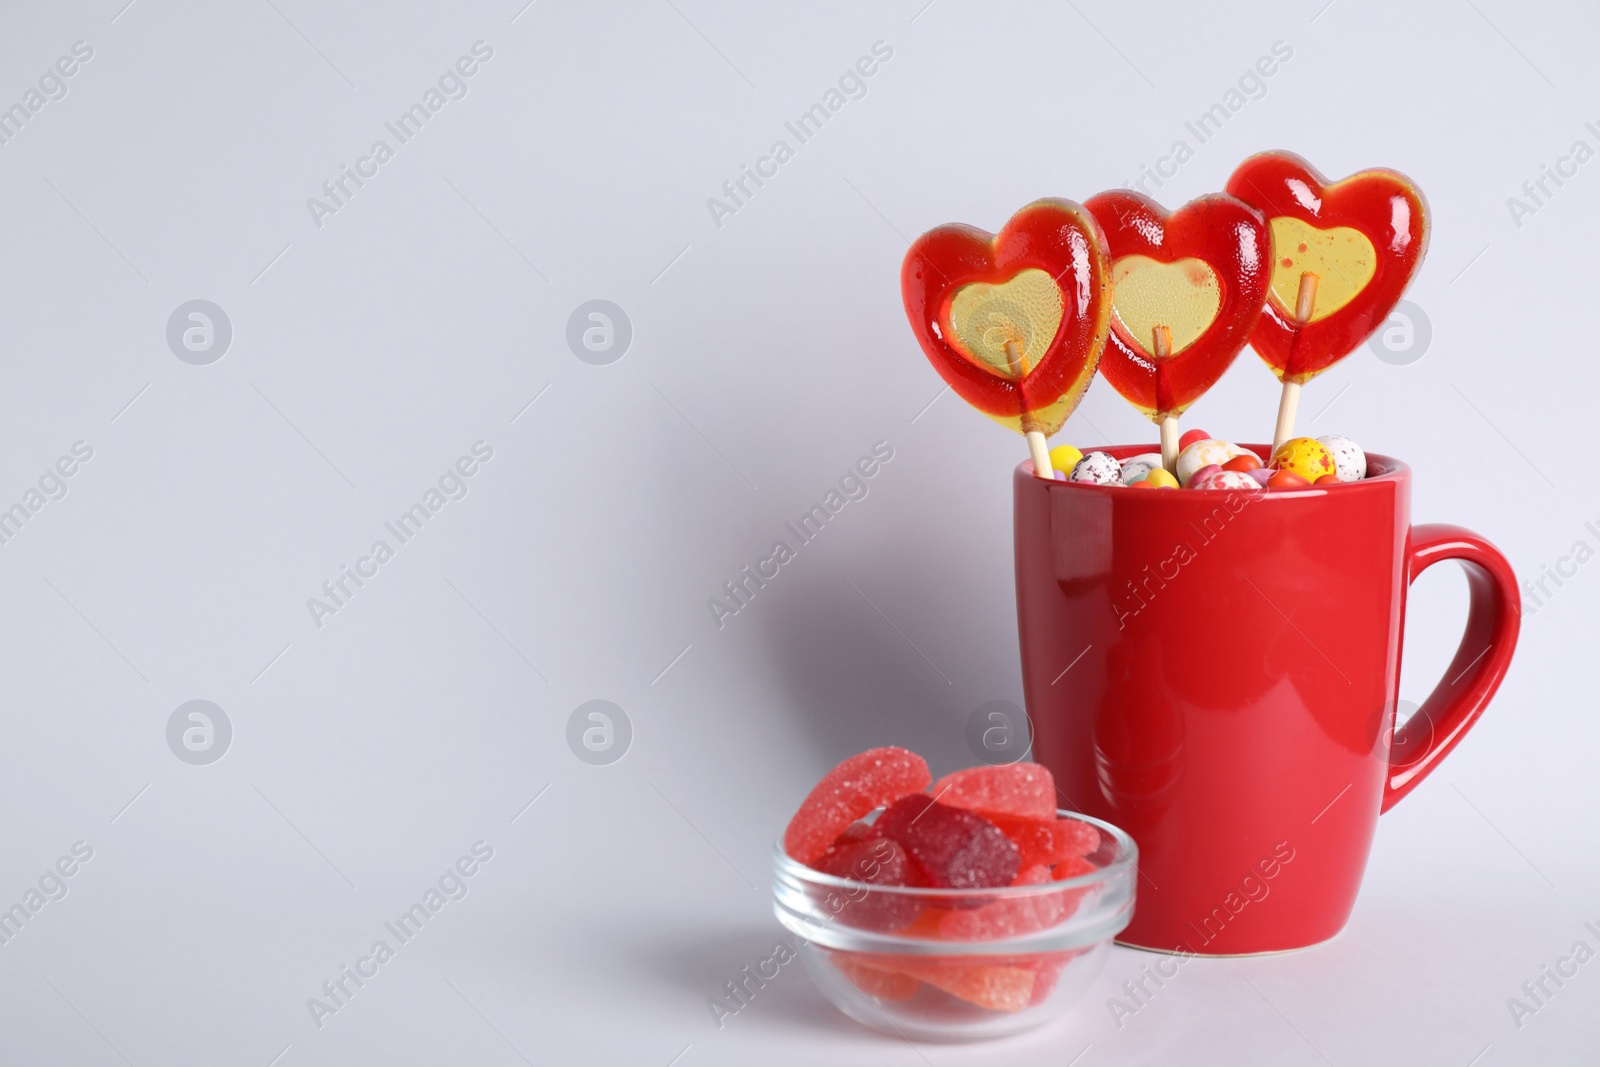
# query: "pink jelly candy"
{"points": [[954, 849], [1008, 918], [1048, 841], [1023, 790], [859, 785], [878, 862]]}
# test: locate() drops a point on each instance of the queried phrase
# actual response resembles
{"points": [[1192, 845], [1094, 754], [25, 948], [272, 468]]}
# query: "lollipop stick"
{"points": [[1169, 423], [1289, 402], [1038, 447]]}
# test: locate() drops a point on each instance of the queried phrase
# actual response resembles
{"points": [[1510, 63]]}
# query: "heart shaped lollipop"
{"points": [[1186, 289], [1014, 322], [1343, 252]]}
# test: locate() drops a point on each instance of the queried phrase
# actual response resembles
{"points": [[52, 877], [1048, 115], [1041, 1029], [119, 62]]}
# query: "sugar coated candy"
{"points": [[883, 984], [1160, 478], [875, 862], [859, 785], [1025, 790], [1348, 459], [1098, 468], [953, 848]]}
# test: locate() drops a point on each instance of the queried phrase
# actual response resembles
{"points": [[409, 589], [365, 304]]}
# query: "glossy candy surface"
{"points": [[1014, 322], [1200, 272], [1305, 456], [1348, 458], [1097, 468], [1363, 237]]}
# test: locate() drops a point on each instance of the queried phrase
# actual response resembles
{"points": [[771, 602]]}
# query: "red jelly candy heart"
{"points": [[1022, 789], [954, 849], [1006, 986], [878, 862], [856, 787]]}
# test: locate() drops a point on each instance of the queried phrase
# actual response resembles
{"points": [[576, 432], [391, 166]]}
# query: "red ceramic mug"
{"points": [[1217, 673]]}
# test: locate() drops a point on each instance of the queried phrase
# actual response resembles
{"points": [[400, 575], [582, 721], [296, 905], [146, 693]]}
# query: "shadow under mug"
{"points": [[1217, 672]]}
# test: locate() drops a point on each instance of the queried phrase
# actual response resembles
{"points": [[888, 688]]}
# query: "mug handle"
{"points": [[1494, 619]]}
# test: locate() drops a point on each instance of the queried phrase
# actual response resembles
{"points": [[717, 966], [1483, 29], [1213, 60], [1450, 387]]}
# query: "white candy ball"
{"points": [[1097, 468], [1349, 461], [1227, 480], [1202, 454]]}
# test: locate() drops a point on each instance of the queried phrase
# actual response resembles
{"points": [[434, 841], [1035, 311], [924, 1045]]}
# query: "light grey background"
{"points": [[768, 354]]}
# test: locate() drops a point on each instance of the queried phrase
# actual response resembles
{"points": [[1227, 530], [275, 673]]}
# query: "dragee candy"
{"points": [[1135, 470], [1348, 459], [1160, 478], [1025, 790], [1064, 457], [1305, 456], [859, 785], [1244, 461], [1225, 479], [953, 848], [1098, 468], [1191, 436], [1282, 479], [1202, 454]]}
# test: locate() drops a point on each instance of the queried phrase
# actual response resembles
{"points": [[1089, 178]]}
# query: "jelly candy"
{"points": [[953, 848], [1004, 987], [874, 862], [1197, 275], [1048, 841], [1026, 790], [883, 984], [1008, 918], [1362, 238], [856, 787], [1014, 322]]}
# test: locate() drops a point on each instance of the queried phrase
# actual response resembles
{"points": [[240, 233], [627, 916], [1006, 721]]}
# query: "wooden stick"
{"points": [[1289, 402], [1169, 423], [1038, 447]]}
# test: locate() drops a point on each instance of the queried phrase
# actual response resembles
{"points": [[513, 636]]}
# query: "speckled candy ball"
{"points": [[1097, 468], [1226, 479], [1139, 467], [1348, 459], [1304, 456], [1202, 454]]}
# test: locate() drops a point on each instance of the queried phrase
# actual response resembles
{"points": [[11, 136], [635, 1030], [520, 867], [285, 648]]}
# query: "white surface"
{"points": [[768, 355]]}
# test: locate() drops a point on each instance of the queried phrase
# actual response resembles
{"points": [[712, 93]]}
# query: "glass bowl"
{"points": [[958, 964]]}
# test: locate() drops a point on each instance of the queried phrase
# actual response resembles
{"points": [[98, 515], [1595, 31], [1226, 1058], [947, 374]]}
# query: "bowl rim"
{"points": [[1128, 858]]}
